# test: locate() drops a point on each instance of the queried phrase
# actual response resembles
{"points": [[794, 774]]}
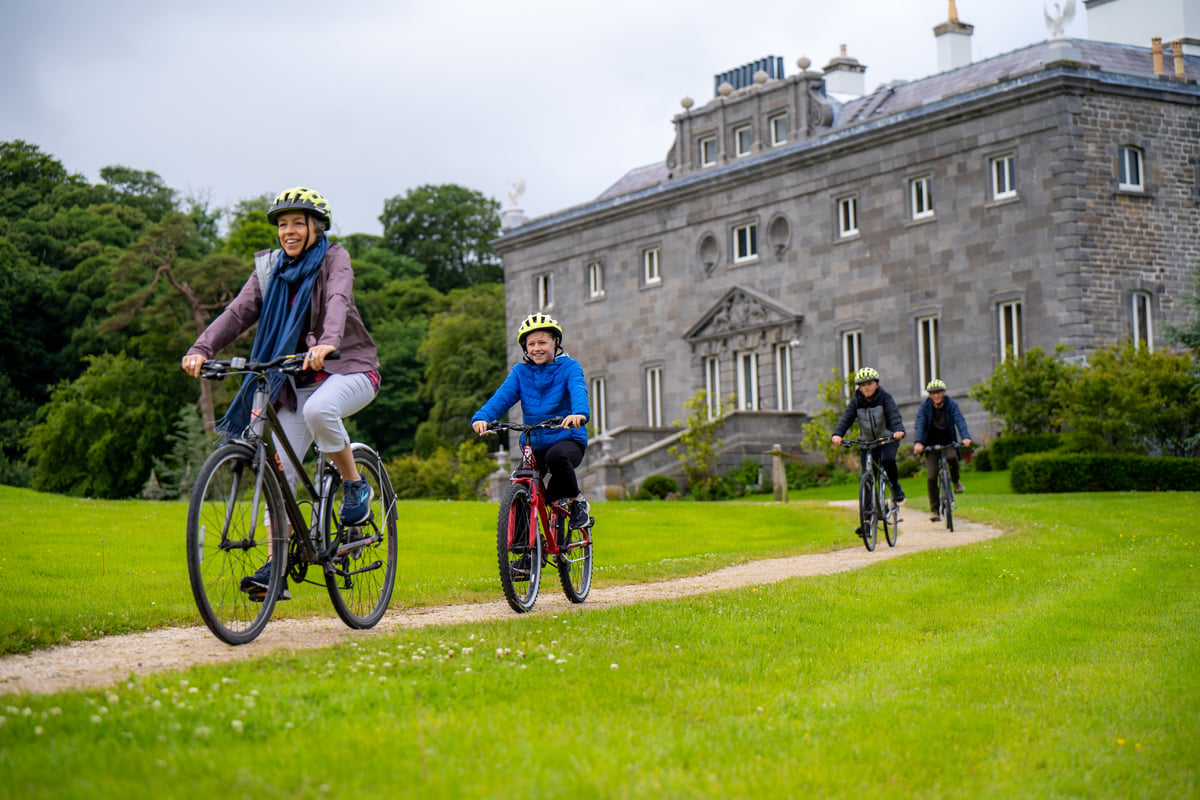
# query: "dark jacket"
{"points": [[954, 420], [333, 318], [877, 417], [544, 391]]}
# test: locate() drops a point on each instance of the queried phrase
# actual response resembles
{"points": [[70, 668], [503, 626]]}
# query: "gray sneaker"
{"points": [[580, 513]]}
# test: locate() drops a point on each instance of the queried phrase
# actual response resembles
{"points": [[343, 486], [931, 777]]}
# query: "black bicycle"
{"points": [[945, 504], [242, 508], [876, 506]]}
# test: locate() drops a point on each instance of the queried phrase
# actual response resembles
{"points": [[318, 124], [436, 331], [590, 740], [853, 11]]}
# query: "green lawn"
{"points": [[1056, 661]]}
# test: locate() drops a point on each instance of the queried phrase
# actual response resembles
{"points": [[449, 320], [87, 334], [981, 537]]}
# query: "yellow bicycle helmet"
{"points": [[538, 322], [301, 198], [865, 374], [936, 385]]}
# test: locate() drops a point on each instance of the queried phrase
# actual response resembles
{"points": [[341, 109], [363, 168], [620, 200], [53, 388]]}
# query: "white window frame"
{"points": [[745, 243], [1141, 319], [1004, 174], [544, 285], [851, 356], [651, 268], [708, 151], [712, 385], [847, 214], [747, 380], [779, 129], [1010, 328], [598, 397], [920, 196], [595, 271], [1131, 173], [743, 140], [927, 349], [654, 384], [783, 377]]}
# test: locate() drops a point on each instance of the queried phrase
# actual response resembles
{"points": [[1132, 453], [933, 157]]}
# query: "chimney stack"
{"points": [[844, 76], [1156, 52], [1177, 52], [953, 42]]}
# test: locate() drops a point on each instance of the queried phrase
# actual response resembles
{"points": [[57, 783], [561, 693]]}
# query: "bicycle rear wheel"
{"points": [[230, 537], [520, 563], [575, 562], [889, 514], [868, 522], [946, 490], [362, 573]]}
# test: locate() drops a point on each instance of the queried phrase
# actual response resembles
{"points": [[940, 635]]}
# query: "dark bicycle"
{"points": [[242, 508], [876, 506], [945, 504], [531, 530]]}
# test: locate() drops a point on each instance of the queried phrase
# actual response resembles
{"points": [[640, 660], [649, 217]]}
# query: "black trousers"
{"points": [[931, 467], [560, 460]]}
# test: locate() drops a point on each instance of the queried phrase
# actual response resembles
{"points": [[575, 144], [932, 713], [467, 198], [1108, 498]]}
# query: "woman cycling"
{"points": [[548, 383], [306, 305], [877, 416]]}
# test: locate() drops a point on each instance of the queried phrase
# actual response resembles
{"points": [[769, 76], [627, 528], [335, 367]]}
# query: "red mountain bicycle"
{"points": [[532, 530]]}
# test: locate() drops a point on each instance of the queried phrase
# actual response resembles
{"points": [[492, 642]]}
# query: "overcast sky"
{"points": [[365, 99]]}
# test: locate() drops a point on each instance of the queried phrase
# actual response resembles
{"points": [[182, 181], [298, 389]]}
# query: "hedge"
{"points": [[1006, 448], [1050, 472]]}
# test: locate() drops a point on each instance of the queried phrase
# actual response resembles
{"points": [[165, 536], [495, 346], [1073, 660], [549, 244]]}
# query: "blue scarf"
{"points": [[281, 320]]}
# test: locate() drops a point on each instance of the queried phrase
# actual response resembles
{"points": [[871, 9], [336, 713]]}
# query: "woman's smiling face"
{"points": [[294, 232]]}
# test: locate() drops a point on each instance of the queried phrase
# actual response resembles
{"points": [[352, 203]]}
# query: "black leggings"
{"points": [[887, 458], [560, 460]]}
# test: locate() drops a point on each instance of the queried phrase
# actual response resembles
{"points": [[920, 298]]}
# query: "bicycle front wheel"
{"points": [[868, 522], [889, 514], [361, 574], [231, 535], [575, 562], [946, 489], [520, 561]]}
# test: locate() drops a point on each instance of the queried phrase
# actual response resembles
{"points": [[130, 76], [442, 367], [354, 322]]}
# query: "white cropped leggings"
{"points": [[320, 409]]}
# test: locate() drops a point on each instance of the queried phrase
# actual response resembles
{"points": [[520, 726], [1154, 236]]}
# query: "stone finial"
{"points": [[953, 12], [804, 62], [761, 77], [725, 89], [687, 102]]}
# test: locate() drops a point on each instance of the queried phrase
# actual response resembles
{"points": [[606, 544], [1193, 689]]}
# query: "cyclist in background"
{"points": [[547, 383], [308, 307], [939, 421], [878, 417]]}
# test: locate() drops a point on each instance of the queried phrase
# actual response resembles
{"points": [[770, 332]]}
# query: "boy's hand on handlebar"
{"points": [[898, 435], [481, 428], [837, 441], [574, 421], [966, 442], [192, 364]]}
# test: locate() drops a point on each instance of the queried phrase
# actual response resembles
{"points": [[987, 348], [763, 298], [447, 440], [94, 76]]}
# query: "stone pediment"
{"points": [[743, 311]]}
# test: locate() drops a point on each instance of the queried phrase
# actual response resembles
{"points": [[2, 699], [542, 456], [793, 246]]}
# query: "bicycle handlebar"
{"points": [[290, 364], [937, 447], [867, 444], [496, 425]]}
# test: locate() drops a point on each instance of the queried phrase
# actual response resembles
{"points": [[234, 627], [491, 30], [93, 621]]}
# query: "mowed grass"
{"points": [[1056, 661]]}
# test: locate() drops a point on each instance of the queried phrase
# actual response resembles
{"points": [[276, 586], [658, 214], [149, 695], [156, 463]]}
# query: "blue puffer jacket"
{"points": [[954, 419], [544, 391]]}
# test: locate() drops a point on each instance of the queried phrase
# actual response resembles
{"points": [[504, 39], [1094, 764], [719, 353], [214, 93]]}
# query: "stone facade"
{"points": [[987, 208]]}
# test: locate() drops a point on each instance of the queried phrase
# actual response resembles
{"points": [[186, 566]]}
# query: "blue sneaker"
{"points": [[256, 585], [356, 502]]}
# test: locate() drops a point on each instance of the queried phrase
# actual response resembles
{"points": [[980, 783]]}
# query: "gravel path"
{"points": [[93, 664]]}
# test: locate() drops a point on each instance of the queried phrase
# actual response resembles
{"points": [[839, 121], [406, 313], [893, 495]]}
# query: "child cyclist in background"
{"points": [[877, 416], [547, 383]]}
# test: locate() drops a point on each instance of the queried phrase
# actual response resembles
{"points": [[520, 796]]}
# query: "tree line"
{"points": [[105, 285]]}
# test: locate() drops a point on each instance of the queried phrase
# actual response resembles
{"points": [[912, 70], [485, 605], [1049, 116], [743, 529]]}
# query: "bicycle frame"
{"points": [[550, 514], [882, 513]]}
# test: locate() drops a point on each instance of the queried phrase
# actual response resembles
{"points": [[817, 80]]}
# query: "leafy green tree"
{"points": [[699, 446], [466, 353], [98, 435], [249, 230], [448, 229], [189, 445], [1021, 393], [1189, 335], [141, 190], [1134, 400], [819, 428]]}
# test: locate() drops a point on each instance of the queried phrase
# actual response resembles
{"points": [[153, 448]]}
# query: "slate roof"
{"points": [[899, 96]]}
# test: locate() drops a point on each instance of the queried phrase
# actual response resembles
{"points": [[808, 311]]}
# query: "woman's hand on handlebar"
{"points": [[192, 364], [918, 448], [314, 359], [574, 421]]}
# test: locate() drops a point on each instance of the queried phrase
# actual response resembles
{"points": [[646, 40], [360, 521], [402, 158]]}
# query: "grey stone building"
{"points": [[929, 228]]}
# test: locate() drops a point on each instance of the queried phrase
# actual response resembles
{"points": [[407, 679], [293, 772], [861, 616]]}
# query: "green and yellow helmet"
{"points": [[865, 374], [301, 198], [538, 322], [935, 385]]}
